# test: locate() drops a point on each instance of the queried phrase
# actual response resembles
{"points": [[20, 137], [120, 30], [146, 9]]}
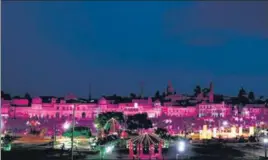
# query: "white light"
{"points": [[109, 149], [181, 146], [66, 125], [225, 123], [265, 140], [135, 105]]}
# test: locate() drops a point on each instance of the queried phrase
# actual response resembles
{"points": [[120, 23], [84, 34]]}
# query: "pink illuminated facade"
{"points": [[204, 108], [19, 109]]}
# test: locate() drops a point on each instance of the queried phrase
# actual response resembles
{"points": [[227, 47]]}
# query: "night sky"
{"points": [[54, 48]]}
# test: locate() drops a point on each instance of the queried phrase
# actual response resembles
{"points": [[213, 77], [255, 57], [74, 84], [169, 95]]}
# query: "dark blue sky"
{"points": [[52, 48]]}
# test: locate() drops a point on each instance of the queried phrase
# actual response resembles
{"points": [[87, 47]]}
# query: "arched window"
{"points": [[57, 115], [83, 115]]}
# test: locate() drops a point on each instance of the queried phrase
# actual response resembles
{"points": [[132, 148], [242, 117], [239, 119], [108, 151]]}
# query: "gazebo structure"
{"points": [[146, 146], [113, 126]]}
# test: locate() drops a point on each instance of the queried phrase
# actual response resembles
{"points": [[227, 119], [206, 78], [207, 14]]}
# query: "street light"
{"points": [[72, 140], [225, 123], [181, 149], [181, 146], [66, 125], [109, 149], [265, 141]]}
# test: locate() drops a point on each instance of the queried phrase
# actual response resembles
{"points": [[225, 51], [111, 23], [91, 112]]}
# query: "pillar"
{"points": [[141, 149], [151, 149], [233, 132], [160, 149], [130, 148], [251, 131], [240, 133]]}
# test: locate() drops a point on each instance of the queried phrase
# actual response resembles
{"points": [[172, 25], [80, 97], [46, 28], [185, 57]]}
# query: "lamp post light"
{"points": [[224, 123], [72, 139], [265, 141], [181, 149]]}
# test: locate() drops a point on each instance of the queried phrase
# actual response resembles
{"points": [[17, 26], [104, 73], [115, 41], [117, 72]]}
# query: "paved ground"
{"points": [[196, 152]]}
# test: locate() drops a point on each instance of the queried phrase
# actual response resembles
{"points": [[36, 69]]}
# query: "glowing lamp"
{"points": [[265, 140], [225, 123], [181, 146], [109, 149], [66, 125]]}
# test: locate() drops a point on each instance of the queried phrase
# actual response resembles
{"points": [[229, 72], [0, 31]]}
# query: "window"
{"points": [[57, 115], [83, 115]]}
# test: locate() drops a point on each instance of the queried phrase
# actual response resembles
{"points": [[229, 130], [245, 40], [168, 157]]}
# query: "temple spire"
{"points": [[211, 93]]}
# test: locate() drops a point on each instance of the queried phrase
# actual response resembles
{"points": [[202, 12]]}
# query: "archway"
{"points": [[113, 126], [83, 115], [146, 146], [57, 115]]}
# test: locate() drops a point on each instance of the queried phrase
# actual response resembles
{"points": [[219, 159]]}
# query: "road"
{"points": [[195, 151]]}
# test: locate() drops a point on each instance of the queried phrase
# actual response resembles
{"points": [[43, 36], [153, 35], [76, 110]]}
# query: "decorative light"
{"points": [[225, 123], [109, 149], [181, 146], [135, 105], [66, 125], [265, 140]]}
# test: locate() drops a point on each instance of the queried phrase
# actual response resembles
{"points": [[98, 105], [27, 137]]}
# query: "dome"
{"points": [[102, 101]]}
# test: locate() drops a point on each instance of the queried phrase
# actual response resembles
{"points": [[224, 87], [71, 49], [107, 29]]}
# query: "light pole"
{"points": [[72, 139], [181, 149], [265, 141]]}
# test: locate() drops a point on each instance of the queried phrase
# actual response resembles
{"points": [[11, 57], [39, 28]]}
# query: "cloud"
{"points": [[199, 22]]}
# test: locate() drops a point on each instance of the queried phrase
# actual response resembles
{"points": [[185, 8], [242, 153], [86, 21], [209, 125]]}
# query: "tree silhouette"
{"points": [[242, 92], [27, 96], [163, 94], [133, 95], [157, 95], [102, 118], [139, 121], [242, 96], [16, 97], [251, 96], [162, 132], [205, 91], [197, 90]]}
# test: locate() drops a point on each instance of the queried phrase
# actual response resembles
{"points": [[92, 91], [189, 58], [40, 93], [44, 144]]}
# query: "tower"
{"points": [[211, 93], [170, 89], [89, 92]]}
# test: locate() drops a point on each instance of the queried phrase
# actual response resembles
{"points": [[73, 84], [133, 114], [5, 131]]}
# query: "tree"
{"points": [[205, 91], [251, 96], [163, 94], [133, 95], [242, 96], [242, 92], [197, 90], [27, 96], [102, 118], [157, 95], [162, 132], [16, 97], [139, 121], [78, 131]]}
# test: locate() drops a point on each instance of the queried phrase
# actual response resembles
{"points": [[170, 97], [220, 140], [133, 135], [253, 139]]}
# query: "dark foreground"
{"points": [[197, 152]]}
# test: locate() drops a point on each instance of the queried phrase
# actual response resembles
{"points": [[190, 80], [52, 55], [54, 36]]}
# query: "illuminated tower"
{"points": [[211, 93], [170, 89]]}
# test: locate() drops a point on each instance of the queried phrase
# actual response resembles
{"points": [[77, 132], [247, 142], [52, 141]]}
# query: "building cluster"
{"points": [[172, 105]]}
